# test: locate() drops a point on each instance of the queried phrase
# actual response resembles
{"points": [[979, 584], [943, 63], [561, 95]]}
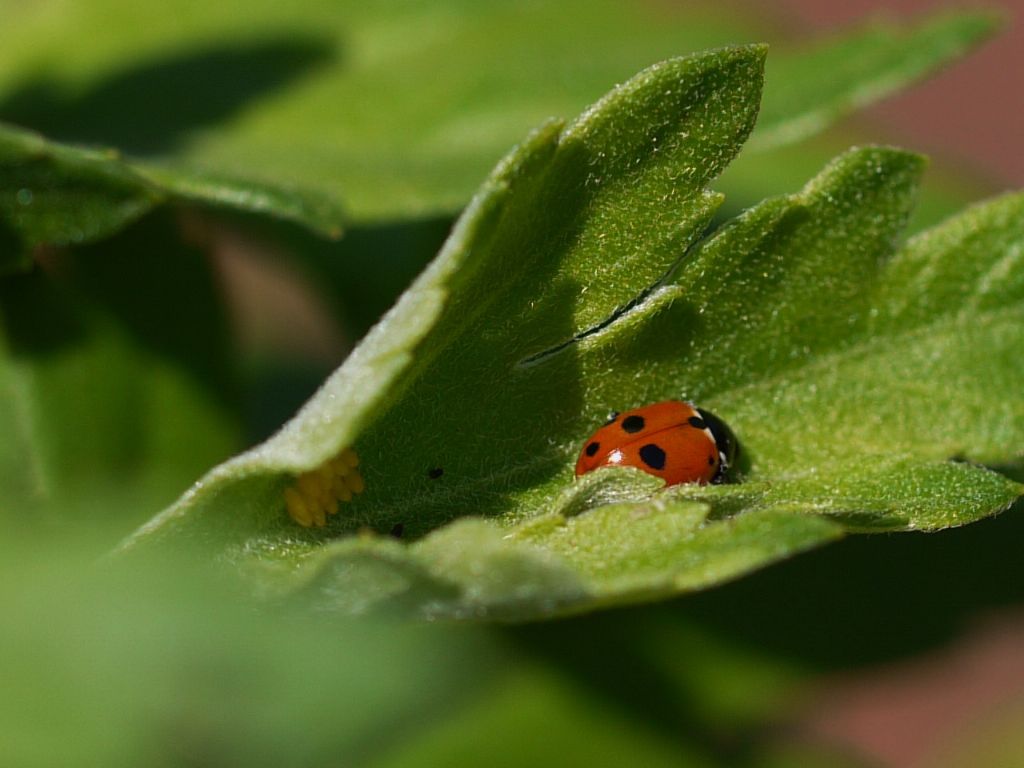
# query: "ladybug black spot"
{"points": [[632, 424], [697, 422], [592, 449], [653, 456], [435, 473], [711, 461]]}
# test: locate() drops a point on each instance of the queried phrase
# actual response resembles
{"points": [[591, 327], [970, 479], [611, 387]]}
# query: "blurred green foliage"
{"points": [[121, 381]]}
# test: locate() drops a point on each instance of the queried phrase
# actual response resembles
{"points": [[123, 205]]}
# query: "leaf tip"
{"points": [[900, 166], [757, 51]]}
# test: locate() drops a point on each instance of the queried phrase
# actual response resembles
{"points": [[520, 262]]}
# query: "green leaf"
{"points": [[385, 170], [54, 194], [756, 176], [357, 127], [796, 323], [520, 235]]}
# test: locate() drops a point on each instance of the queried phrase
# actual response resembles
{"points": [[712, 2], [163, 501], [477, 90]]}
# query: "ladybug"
{"points": [[673, 440]]}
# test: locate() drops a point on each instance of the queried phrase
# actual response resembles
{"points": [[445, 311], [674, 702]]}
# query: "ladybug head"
{"points": [[728, 445]]}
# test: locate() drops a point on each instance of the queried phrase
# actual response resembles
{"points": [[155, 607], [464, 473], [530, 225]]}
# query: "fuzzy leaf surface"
{"points": [[561, 295]]}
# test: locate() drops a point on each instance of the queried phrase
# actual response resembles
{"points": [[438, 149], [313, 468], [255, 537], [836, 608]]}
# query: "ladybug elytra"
{"points": [[673, 440]]}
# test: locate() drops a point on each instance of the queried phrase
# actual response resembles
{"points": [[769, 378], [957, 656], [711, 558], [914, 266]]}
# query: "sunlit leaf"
{"points": [[791, 323]]}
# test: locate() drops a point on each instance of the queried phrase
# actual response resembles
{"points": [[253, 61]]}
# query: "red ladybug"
{"points": [[673, 440]]}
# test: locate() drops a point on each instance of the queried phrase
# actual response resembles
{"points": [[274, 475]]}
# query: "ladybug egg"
{"points": [[315, 495]]}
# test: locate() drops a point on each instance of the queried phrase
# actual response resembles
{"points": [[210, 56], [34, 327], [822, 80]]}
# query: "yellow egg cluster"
{"points": [[316, 494]]}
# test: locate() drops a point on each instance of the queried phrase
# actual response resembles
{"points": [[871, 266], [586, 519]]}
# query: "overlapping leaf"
{"points": [[186, 663], [829, 357], [358, 127], [53, 194]]}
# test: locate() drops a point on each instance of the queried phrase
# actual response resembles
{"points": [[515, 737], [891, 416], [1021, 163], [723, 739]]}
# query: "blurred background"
{"points": [[960, 116], [195, 330]]}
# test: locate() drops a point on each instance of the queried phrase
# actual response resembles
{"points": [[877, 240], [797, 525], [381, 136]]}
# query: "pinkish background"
{"points": [[973, 112]]}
